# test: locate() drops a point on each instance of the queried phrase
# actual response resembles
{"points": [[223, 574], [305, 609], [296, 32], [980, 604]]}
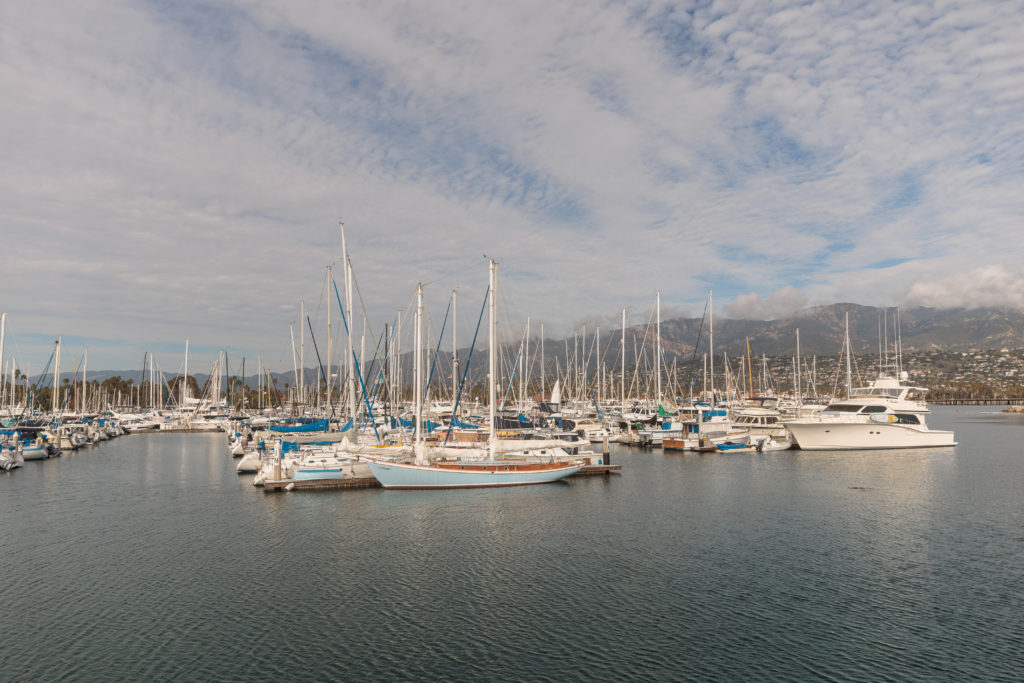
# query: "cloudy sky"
{"points": [[175, 170]]}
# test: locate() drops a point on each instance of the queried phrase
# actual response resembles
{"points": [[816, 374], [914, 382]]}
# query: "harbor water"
{"points": [[148, 558]]}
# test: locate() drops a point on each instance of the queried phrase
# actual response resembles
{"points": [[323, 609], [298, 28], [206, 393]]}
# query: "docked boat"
{"points": [[888, 413], [466, 472], [469, 474], [330, 466]]}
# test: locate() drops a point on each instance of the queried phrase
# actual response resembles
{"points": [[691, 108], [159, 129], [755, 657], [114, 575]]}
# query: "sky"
{"points": [[178, 170]]}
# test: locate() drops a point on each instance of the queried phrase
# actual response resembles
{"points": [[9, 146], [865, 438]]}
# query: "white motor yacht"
{"points": [[888, 413]]}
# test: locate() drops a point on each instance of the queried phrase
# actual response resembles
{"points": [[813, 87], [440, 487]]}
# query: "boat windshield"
{"points": [[763, 402], [879, 392], [841, 408]]}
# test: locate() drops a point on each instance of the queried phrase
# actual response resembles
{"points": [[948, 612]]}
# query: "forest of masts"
{"points": [[589, 368]]}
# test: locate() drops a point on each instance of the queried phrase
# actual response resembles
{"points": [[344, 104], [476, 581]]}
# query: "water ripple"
{"points": [[148, 557]]}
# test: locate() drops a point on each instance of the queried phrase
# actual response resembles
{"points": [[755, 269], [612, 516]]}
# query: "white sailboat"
{"points": [[466, 473]]}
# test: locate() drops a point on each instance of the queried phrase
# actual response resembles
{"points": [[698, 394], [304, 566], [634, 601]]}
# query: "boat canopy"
{"points": [[318, 426]]}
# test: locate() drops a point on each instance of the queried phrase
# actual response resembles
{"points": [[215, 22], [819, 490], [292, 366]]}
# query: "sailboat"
{"points": [[465, 473]]}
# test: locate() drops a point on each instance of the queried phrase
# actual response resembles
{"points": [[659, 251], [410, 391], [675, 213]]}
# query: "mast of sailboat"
{"points": [[302, 351], [492, 355], [455, 358], [886, 365], [522, 365], [185, 383], [705, 376], [526, 366], [295, 367], [56, 374], [3, 330], [362, 349], [85, 379], [711, 343], [750, 371], [764, 373], [799, 394], [542, 372], [622, 380], [398, 381], [657, 352], [417, 370], [348, 307], [330, 339], [880, 366], [849, 373]]}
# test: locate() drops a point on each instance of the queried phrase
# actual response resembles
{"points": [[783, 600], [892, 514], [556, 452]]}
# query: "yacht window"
{"points": [[771, 420], [903, 418], [841, 408], [873, 409]]}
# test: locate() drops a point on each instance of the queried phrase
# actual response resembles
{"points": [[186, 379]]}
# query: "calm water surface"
{"points": [[148, 557]]}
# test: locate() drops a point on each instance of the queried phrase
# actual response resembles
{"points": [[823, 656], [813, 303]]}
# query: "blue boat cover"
{"points": [[318, 426], [288, 446]]}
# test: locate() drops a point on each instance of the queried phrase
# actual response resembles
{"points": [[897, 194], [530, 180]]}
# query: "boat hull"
{"points": [[405, 476], [319, 474], [34, 453], [840, 436]]}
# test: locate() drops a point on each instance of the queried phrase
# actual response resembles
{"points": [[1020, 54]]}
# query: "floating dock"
{"points": [[309, 484]]}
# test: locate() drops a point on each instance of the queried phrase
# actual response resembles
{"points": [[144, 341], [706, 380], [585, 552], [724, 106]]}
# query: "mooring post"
{"points": [[277, 461]]}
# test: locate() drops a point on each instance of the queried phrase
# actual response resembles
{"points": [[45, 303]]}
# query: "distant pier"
{"points": [[976, 402]]}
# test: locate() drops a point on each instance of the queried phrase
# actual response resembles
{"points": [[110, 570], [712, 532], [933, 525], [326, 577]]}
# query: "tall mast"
{"points": [[526, 364], [399, 386], [899, 346], [330, 337], [542, 370], [885, 346], [657, 350], [417, 369], [764, 373], [622, 380], [597, 354], [362, 349], [185, 383], [799, 394], [711, 343], [3, 330], [455, 356], [849, 374], [85, 379], [56, 374], [295, 384], [302, 350], [750, 371], [492, 354], [348, 306]]}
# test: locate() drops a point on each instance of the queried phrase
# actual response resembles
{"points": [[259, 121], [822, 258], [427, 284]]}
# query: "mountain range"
{"points": [[822, 329]]}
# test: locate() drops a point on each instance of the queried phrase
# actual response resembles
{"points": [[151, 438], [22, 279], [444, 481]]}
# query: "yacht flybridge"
{"points": [[888, 413]]}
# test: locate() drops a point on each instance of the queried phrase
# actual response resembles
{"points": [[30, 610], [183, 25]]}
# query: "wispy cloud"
{"points": [[177, 170]]}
